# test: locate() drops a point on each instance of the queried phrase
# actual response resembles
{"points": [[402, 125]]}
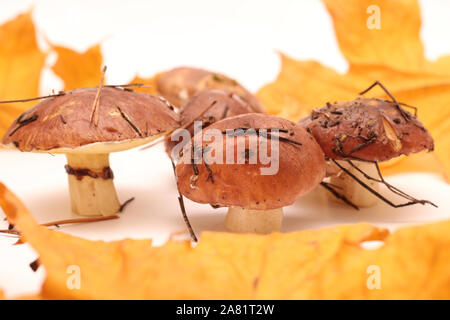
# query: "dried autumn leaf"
{"points": [[362, 42], [304, 85], [78, 70], [127, 269], [320, 264], [150, 82], [307, 83], [30, 297], [21, 63], [414, 263], [421, 162], [440, 66]]}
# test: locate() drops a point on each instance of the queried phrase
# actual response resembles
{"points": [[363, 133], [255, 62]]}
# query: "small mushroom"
{"points": [[179, 84], [254, 195], [364, 131], [66, 125], [223, 105]]}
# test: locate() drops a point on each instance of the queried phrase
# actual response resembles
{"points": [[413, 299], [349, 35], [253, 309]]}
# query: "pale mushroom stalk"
{"points": [[241, 220], [350, 188], [91, 185]]}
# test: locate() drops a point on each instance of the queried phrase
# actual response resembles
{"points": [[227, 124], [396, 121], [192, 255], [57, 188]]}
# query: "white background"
{"points": [[236, 37]]}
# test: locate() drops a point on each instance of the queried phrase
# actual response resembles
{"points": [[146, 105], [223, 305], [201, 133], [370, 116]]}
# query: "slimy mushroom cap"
{"points": [[301, 167], [367, 129], [179, 84], [223, 105], [63, 124]]}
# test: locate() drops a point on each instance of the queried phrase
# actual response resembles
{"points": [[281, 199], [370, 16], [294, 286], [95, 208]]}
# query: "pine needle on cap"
{"points": [[94, 113]]}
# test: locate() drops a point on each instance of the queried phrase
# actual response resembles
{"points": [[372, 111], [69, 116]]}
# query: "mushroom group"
{"points": [[225, 150]]}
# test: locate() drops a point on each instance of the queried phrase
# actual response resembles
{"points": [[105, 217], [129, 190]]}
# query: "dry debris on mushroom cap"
{"points": [[88, 124], [367, 129], [62, 124], [301, 167], [223, 105], [179, 84]]}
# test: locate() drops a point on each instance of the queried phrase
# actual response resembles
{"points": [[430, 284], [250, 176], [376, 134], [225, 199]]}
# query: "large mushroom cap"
{"points": [[367, 129], [179, 84], [62, 124], [301, 166], [223, 105]]}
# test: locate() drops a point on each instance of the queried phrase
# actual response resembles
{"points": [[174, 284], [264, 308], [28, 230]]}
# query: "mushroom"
{"points": [[253, 189], [223, 104], [73, 124], [356, 135], [179, 84]]}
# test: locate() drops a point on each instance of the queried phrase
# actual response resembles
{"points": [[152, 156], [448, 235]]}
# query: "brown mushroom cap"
{"points": [[62, 124], [179, 84], [301, 168], [226, 105], [367, 129]]}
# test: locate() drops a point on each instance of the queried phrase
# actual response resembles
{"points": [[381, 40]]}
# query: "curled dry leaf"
{"points": [[21, 62], [392, 55], [328, 263]]}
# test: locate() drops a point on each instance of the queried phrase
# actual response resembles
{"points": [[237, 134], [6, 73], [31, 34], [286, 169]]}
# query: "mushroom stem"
{"points": [[351, 189], [91, 185], [242, 220]]}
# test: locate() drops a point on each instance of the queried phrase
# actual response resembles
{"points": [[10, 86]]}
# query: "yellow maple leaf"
{"points": [[21, 63], [329, 263], [78, 70], [151, 84], [380, 32], [413, 263], [392, 55]]}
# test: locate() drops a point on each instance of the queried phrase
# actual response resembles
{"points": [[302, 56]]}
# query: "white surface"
{"points": [[237, 37]]}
